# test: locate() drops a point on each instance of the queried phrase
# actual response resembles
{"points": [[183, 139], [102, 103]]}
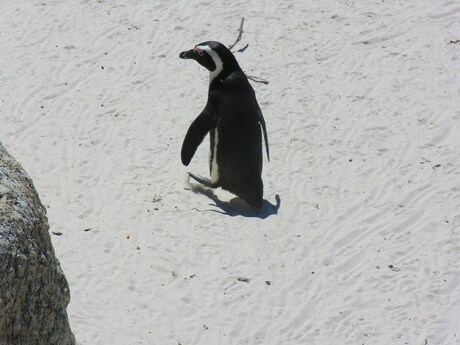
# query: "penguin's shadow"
{"points": [[237, 206]]}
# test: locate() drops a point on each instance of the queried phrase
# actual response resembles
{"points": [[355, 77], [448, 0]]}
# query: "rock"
{"points": [[34, 292]]}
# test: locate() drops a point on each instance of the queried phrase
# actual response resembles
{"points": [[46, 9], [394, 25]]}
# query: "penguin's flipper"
{"points": [[206, 121], [264, 131], [203, 180]]}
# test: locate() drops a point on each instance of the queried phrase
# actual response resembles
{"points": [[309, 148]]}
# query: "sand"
{"points": [[358, 241]]}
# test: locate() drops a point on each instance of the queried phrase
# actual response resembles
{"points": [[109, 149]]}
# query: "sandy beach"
{"points": [[358, 241]]}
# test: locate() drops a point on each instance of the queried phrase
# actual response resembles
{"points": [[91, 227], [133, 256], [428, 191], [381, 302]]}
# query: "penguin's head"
{"points": [[213, 56]]}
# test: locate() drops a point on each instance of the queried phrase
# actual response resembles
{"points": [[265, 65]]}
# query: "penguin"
{"points": [[234, 120]]}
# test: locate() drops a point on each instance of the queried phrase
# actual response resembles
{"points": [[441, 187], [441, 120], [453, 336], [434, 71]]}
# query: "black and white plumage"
{"points": [[233, 118]]}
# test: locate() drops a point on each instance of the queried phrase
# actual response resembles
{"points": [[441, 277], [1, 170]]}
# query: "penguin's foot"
{"points": [[203, 180]]}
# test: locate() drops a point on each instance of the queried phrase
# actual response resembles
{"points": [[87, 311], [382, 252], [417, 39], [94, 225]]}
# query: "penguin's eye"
{"points": [[199, 51]]}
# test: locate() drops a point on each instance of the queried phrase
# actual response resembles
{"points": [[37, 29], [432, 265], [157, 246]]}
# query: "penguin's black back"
{"points": [[239, 149]]}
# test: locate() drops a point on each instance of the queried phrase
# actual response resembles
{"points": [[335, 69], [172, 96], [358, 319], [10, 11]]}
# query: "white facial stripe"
{"points": [[217, 61]]}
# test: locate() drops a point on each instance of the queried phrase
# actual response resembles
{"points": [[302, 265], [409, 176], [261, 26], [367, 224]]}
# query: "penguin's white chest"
{"points": [[213, 157]]}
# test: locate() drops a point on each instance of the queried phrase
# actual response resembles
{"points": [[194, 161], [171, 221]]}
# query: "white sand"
{"points": [[363, 115]]}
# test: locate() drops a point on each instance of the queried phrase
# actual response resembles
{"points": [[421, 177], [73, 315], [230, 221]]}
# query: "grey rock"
{"points": [[34, 292]]}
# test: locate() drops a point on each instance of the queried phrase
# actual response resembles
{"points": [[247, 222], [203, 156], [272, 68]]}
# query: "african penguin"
{"points": [[233, 118]]}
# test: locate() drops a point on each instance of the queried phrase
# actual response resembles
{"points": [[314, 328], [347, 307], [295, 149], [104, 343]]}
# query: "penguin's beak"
{"points": [[189, 54]]}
